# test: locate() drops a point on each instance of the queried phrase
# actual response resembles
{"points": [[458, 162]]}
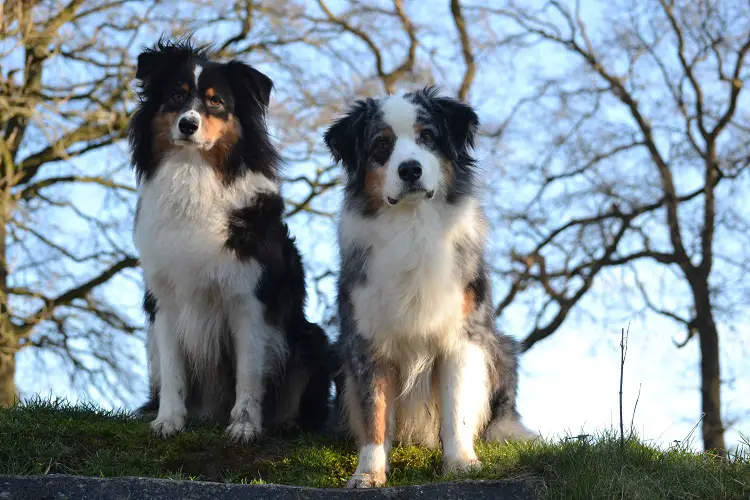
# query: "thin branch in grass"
{"points": [[635, 407], [623, 354]]}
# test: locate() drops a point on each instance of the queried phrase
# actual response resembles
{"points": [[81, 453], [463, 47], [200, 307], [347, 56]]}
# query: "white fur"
{"points": [[197, 74], [371, 467], [412, 304], [172, 411], [200, 286], [401, 116], [464, 405]]}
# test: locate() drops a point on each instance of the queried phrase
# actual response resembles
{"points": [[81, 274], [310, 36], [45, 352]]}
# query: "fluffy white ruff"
{"points": [[411, 307]]}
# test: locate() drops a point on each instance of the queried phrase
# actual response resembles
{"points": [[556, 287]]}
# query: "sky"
{"points": [[569, 383]]}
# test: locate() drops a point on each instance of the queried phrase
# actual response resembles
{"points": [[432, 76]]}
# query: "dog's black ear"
{"points": [[149, 63], [251, 81], [461, 121], [345, 135]]}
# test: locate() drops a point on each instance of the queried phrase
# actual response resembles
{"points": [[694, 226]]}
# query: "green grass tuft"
{"points": [[55, 437]]}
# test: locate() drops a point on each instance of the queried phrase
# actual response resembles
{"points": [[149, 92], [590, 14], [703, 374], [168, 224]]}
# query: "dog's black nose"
{"points": [[187, 126], [410, 171]]}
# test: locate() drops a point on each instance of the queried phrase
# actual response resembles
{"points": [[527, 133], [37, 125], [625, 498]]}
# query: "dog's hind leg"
{"points": [[464, 405]]}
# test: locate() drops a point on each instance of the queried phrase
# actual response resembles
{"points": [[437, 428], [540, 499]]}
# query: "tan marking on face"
{"points": [[210, 93], [185, 87], [223, 134], [418, 128], [161, 126], [387, 132], [374, 182], [470, 302]]}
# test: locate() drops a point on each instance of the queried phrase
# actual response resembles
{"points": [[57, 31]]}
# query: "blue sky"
{"points": [[569, 382]]}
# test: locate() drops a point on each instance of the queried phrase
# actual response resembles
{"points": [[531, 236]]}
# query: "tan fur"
{"points": [[353, 411], [161, 126], [374, 182], [380, 417], [470, 301], [224, 135]]}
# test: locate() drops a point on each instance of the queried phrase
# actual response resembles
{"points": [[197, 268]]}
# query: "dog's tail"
{"points": [[314, 405], [508, 428], [505, 423], [150, 407]]}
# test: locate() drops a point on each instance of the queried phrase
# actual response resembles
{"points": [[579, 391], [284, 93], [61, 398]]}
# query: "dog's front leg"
{"points": [[172, 380], [464, 405], [250, 335], [369, 398]]}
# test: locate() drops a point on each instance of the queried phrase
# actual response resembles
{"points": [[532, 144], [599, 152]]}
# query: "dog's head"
{"points": [[189, 101], [403, 150]]}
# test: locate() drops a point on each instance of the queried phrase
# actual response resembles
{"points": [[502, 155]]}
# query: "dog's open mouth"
{"points": [[413, 193]]}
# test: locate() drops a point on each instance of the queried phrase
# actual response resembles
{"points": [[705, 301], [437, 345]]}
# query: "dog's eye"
{"points": [[215, 101], [178, 97], [381, 149], [427, 136]]}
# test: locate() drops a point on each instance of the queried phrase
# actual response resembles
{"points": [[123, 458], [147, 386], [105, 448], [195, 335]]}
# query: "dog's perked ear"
{"points": [[344, 136], [461, 122], [250, 81]]}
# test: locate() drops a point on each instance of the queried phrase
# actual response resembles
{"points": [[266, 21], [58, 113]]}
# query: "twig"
{"points": [[635, 407], [623, 355]]}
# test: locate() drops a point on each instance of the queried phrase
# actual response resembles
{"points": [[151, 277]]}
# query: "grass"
{"points": [[55, 437]]}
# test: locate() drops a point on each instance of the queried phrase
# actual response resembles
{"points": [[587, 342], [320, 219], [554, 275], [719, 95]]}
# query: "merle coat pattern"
{"points": [[421, 358]]}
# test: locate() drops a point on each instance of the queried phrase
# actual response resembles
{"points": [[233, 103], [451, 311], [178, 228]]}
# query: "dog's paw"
{"points": [[243, 429], [367, 480], [461, 465], [168, 426], [242, 432]]}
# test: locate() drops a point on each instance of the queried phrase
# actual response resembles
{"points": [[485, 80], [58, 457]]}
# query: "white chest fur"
{"points": [[182, 224], [412, 300]]}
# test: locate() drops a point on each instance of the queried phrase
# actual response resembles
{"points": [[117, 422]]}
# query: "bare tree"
{"points": [[66, 257], [640, 135]]}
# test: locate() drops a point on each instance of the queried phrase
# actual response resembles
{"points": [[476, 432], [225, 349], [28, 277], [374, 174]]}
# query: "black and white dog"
{"points": [[422, 360], [228, 338]]}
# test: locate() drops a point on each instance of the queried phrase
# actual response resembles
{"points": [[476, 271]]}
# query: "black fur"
{"points": [[160, 66], [255, 233]]}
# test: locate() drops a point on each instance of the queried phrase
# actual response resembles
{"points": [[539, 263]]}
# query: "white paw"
{"points": [[244, 428], [461, 465], [367, 480], [167, 426]]}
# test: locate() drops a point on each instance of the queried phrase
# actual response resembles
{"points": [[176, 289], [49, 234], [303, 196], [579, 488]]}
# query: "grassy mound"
{"points": [[54, 437]]}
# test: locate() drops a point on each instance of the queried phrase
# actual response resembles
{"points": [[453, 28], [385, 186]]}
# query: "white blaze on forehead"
{"points": [[197, 72], [400, 115]]}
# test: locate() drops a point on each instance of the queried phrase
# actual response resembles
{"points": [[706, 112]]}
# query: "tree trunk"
{"points": [[7, 374], [713, 430], [8, 338]]}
